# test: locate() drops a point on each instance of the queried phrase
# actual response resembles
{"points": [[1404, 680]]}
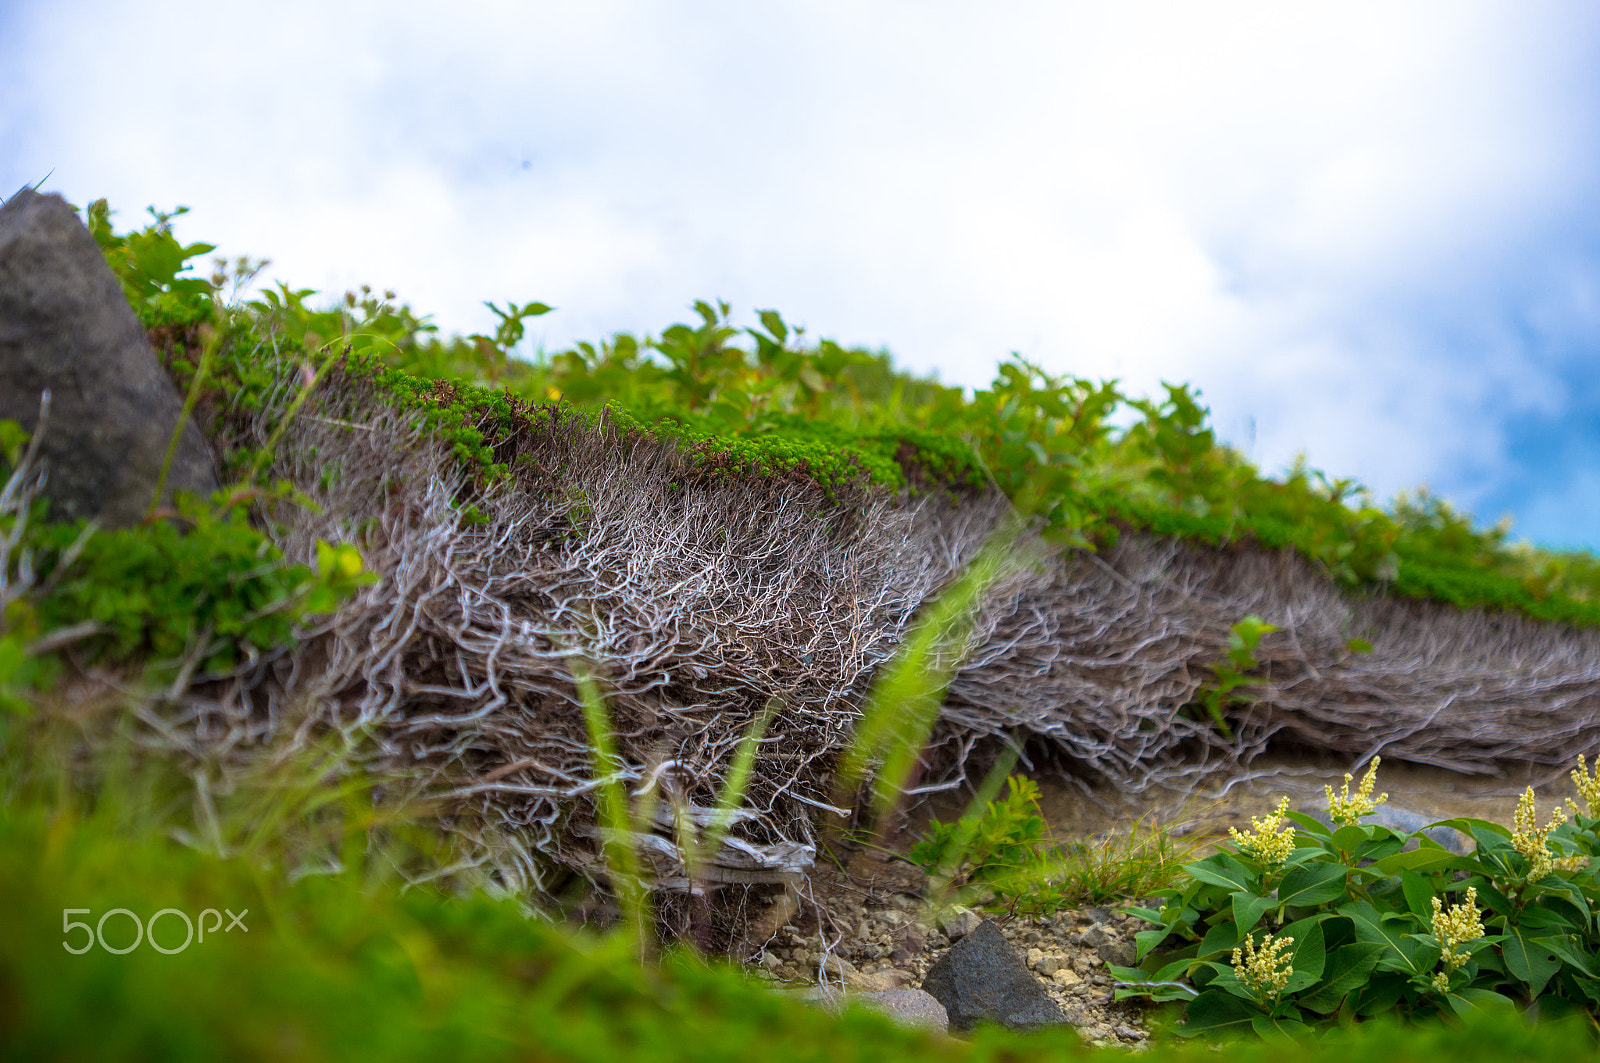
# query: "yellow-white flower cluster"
{"points": [[1588, 787], [1452, 929], [1344, 809], [1267, 971], [1267, 843], [1532, 841]]}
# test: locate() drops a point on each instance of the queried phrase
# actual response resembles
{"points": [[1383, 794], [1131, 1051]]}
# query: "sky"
{"points": [[1369, 232]]}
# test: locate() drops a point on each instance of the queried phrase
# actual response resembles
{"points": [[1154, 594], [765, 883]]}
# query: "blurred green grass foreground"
{"points": [[122, 939]]}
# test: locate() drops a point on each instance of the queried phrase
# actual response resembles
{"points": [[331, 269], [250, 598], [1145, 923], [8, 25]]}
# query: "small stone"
{"points": [[1095, 936], [1065, 976], [912, 938], [1119, 953], [1035, 957], [1130, 1033], [959, 922], [1048, 965], [771, 962], [881, 981], [837, 969]]}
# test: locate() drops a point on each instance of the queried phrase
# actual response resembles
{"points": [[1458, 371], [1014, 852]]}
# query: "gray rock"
{"points": [[66, 327], [909, 1007], [959, 922], [1121, 953], [982, 979], [1096, 936]]}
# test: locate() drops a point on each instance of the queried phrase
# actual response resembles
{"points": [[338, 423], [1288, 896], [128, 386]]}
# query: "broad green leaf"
{"points": [[1349, 838], [1347, 969], [1419, 895], [1381, 993], [1528, 959], [1572, 954], [1531, 919], [1565, 898], [1310, 955], [1312, 884], [1280, 1027], [1421, 859], [1221, 939], [1390, 930], [1214, 1012], [1173, 971], [1223, 869], [1465, 1001], [1488, 896], [1310, 824], [1247, 910], [1387, 843], [1303, 855], [1145, 940], [1473, 827]]}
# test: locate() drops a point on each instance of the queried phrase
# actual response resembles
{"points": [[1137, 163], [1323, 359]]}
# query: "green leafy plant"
{"points": [[1243, 638], [996, 856], [203, 584], [151, 263], [999, 856], [1306, 924]]}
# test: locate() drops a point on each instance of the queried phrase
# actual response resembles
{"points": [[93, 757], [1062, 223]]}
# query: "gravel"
{"points": [[889, 945]]}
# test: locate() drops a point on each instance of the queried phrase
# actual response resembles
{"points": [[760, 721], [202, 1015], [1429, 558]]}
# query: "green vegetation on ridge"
{"points": [[765, 400]]}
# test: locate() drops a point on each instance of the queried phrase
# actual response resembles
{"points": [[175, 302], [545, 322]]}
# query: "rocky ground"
{"points": [[871, 931]]}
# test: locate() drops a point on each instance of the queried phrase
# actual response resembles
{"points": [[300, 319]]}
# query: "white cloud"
{"points": [[1332, 218]]}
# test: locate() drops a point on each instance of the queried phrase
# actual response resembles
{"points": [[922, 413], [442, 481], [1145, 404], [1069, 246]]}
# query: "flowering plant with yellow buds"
{"points": [[1266, 972], [1344, 809], [1269, 840], [1307, 920]]}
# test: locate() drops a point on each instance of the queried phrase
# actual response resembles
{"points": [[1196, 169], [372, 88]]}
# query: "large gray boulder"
{"points": [[982, 979], [66, 327]]}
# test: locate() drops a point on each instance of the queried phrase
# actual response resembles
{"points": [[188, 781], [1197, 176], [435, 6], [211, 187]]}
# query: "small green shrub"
{"points": [[992, 851], [1243, 638], [206, 581], [150, 263], [1300, 929], [999, 856]]}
